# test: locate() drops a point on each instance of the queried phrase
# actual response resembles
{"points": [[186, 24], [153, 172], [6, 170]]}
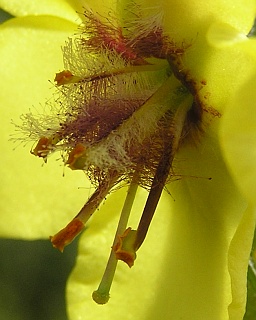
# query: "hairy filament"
{"points": [[62, 78], [162, 172]]}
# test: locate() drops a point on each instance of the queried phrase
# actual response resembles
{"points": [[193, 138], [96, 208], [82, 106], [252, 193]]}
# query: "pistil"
{"points": [[101, 295]]}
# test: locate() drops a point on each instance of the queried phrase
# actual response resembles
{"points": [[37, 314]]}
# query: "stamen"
{"points": [[101, 295], [66, 77], [163, 169], [67, 234]]}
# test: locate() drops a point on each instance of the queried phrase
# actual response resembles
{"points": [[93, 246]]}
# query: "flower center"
{"points": [[124, 107]]}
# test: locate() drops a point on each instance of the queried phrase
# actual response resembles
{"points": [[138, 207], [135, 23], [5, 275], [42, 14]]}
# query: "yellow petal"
{"points": [[238, 257], [195, 16], [67, 9], [35, 200], [204, 61], [214, 232], [222, 34], [238, 137], [59, 8]]}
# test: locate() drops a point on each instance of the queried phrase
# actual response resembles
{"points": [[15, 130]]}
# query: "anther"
{"points": [[44, 146], [75, 159], [65, 77]]}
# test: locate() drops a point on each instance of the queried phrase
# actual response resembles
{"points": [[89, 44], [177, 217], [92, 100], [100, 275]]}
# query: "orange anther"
{"points": [[63, 77], [75, 155], [67, 235], [43, 147]]}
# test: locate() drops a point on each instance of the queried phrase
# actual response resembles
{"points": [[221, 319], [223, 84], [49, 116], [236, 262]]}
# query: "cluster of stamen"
{"points": [[123, 116]]}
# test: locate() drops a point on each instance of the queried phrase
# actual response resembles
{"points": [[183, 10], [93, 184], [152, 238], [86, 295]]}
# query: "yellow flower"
{"points": [[193, 263]]}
